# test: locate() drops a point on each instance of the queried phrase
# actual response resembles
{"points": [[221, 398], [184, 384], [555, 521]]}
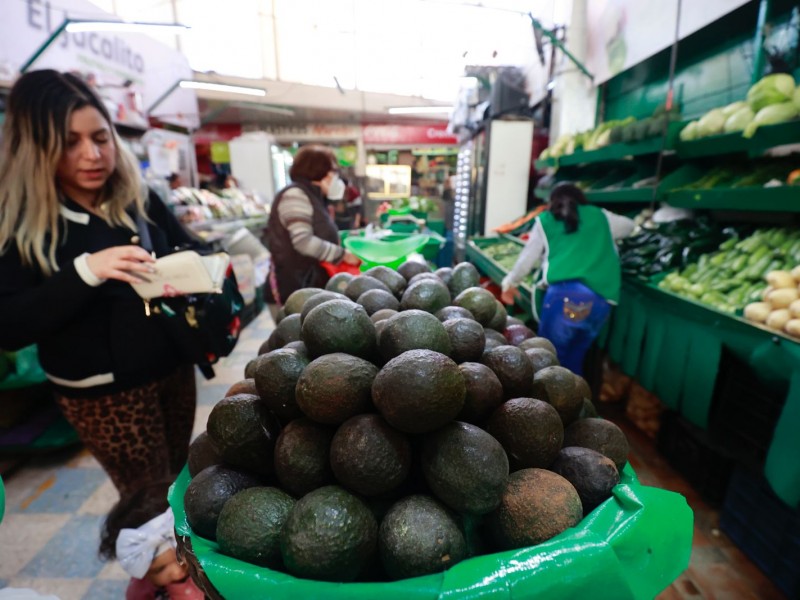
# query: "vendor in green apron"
{"points": [[580, 271]]}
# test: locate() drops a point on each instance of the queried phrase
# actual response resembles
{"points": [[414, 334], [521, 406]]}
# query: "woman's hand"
{"points": [[350, 258], [510, 295], [122, 263]]}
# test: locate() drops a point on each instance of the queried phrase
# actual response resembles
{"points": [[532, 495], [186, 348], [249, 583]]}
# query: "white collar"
{"points": [[73, 215]]}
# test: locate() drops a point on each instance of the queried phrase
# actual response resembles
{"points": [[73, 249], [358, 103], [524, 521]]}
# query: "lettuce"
{"points": [[689, 132], [711, 123], [772, 89], [771, 115], [739, 120]]}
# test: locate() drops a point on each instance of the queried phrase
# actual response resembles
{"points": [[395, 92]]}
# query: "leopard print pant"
{"points": [[139, 435]]}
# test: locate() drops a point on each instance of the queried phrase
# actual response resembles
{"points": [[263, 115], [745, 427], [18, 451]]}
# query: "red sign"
{"points": [[424, 135], [217, 132]]}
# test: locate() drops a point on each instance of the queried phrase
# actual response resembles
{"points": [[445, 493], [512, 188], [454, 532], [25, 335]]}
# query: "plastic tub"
{"points": [[390, 253]]}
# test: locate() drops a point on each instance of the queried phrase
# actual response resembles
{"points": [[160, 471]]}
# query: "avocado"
{"points": [[299, 347], [464, 276], [380, 315], [421, 276], [302, 456], [245, 386], [557, 385], [529, 430], [339, 326], [412, 267], [498, 321], [368, 456], [465, 467], [202, 454], [484, 392], [588, 409], [453, 312], [413, 330], [429, 295], [208, 492], [362, 283], [419, 391], [592, 474], [541, 359], [538, 342], [513, 321], [492, 343], [244, 431], [390, 278], [445, 274], [492, 334], [276, 376], [467, 339], [330, 535], [375, 300], [419, 536], [335, 387], [280, 315], [318, 299], [338, 283], [288, 330], [250, 367], [599, 435], [514, 334], [250, 524], [536, 506], [480, 302], [512, 368], [294, 303]]}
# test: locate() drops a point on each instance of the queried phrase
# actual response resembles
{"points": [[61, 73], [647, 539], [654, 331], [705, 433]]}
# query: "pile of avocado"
{"points": [[393, 425]]}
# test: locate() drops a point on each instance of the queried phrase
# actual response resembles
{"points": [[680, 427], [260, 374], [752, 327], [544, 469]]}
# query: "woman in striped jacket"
{"points": [[300, 231]]}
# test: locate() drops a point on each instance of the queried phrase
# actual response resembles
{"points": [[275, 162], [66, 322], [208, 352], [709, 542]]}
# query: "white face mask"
{"points": [[336, 189]]}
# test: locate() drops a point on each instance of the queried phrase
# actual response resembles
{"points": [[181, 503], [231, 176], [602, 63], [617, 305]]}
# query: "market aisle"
{"points": [[55, 504]]}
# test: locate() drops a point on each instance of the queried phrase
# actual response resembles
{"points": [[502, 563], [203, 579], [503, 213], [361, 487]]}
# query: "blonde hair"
{"points": [[34, 137]]}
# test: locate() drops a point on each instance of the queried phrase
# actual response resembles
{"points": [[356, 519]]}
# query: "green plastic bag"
{"points": [[21, 368], [632, 546]]}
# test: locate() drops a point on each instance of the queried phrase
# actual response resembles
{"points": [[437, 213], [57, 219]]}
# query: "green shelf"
{"points": [[632, 195], [492, 269], [766, 137], [624, 150], [543, 163], [754, 199]]}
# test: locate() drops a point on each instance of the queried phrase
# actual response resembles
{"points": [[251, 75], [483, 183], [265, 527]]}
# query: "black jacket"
{"points": [[98, 336]]}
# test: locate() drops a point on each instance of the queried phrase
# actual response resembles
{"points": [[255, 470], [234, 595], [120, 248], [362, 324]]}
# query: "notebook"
{"points": [[184, 273]]}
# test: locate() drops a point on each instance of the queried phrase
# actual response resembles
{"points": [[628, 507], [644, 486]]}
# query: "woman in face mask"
{"points": [[300, 231]]}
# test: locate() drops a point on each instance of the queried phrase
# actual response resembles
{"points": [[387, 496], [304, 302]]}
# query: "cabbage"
{"points": [[732, 108], [711, 123], [796, 98], [771, 115], [689, 133], [739, 120], [772, 89]]}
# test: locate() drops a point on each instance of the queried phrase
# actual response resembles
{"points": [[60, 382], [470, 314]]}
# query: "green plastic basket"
{"points": [[391, 254], [630, 547]]}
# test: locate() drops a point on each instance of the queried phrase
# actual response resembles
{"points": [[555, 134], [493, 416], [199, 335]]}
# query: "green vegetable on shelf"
{"points": [[771, 115], [740, 119], [771, 89]]}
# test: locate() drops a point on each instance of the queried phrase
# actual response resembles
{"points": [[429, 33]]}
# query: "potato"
{"points": [[782, 298], [796, 273], [781, 279], [767, 291], [777, 319], [757, 311], [792, 327], [794, 309]]}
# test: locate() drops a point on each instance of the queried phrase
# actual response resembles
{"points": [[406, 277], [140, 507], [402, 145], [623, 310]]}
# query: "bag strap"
{"points": [[144, 232]]}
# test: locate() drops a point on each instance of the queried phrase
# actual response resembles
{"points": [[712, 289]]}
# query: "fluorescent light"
{"points": [[221, 87], [420, 110], [122, 26]]}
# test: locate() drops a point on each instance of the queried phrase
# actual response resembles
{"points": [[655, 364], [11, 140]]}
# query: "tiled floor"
{"points": [[55, 505]]}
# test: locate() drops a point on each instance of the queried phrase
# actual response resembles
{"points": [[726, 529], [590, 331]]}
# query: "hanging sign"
{"points": [[408, 135], [623, 33], [129, 71]]}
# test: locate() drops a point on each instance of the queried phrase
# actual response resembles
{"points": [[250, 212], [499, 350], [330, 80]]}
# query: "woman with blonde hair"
{"points": [[70, 194]]}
